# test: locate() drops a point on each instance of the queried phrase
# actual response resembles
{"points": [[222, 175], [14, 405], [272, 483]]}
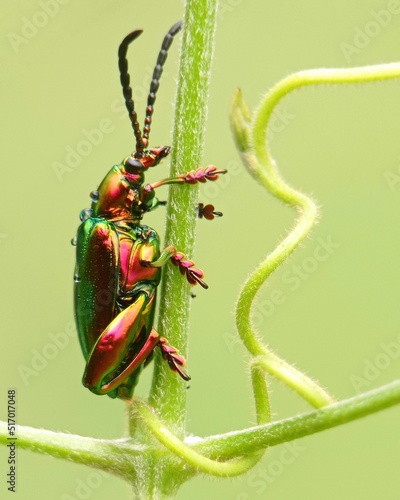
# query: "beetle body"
{"points": [[119, 260]]}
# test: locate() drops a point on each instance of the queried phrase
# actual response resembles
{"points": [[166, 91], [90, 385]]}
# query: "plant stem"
{"points": [[188, 455], [168, 395], [237, 443], [97, 453], [118, 456]]}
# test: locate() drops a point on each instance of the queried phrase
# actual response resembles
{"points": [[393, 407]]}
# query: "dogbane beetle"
{"points": [[119, 260]]}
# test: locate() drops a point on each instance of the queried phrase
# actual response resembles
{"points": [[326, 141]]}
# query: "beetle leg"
{"points": [[122, 347], [173, 358], [113, 360], [148, 347], [186, 267], [168, 253], [207, 211], [210, 173], [193, 274]]}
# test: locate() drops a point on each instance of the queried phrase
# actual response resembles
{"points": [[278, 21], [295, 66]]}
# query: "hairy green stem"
{"points": [[97, 453], [168, 395], [188, 455], [230, 445], [118, 456]]}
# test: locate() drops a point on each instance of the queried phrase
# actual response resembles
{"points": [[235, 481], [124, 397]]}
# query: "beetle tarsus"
{"points": [[193, 274], [175, 360], [210, 173], [207, 211]]}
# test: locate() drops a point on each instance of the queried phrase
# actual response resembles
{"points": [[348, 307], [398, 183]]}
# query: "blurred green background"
{"points": [[339, 320]]}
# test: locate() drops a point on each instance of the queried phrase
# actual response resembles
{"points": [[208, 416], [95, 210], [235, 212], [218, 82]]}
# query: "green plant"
{"points": [[159, 456]]}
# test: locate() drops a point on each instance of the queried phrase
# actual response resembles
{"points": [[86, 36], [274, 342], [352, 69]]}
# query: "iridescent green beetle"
{"points": [[119, 260]]}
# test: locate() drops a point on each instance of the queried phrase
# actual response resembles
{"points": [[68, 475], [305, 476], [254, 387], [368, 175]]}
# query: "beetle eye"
{"points": [[133, 165]]}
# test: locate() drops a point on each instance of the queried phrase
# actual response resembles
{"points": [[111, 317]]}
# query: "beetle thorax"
{"points": [[119, 195]]}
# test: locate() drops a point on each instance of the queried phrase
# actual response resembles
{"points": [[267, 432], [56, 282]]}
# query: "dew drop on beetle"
{"points": [[85, 214], [94, 195]]}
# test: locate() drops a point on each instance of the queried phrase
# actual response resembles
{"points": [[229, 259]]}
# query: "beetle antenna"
{"points": [[155, 82], [126, 89]]}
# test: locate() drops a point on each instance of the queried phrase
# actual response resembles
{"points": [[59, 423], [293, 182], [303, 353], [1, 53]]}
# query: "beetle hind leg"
{"points": [[175, 360]]}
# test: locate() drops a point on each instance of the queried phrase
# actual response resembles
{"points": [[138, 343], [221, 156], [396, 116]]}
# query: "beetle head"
{"points": [[139, 162]]}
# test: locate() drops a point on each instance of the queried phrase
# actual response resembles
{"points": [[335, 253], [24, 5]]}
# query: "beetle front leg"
{"points": [[210, 173]]}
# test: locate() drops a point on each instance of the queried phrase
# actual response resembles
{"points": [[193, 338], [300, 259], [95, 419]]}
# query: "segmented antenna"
{"points": [[142, 140], [155, 82], [126, 89]]}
